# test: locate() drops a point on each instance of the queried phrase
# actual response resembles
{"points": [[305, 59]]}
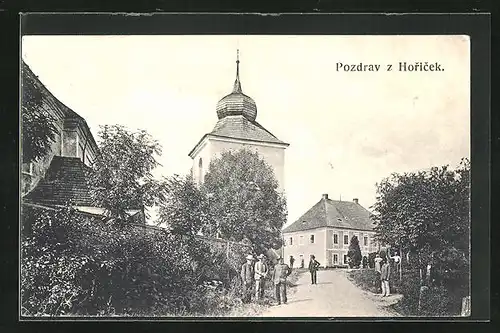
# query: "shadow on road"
{"points": [[299, 300]]}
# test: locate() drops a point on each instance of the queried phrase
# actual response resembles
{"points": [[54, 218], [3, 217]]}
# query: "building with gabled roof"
{"points": [[325, 231], [237, 128], [60, 178], [73, 138]]}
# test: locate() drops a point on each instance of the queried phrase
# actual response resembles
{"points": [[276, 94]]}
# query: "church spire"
{"points": [[237, 84]]}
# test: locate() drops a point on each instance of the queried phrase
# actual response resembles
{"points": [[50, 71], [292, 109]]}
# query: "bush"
{"points": [[75, 264], [354, 253]]}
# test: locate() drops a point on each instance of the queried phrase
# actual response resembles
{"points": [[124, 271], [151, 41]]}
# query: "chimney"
{"points": [[355, 200], [325, 196]]}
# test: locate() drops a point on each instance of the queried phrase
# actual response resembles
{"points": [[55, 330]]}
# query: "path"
{"points": [[333, 296]]}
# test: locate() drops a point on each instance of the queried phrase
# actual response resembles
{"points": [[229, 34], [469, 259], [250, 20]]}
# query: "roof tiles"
{"points": [[64, 182], [239, 127], [333, 213]]}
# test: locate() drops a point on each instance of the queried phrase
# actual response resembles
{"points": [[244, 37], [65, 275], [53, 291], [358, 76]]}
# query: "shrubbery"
{"points": [[354, 253], [74, 264]]}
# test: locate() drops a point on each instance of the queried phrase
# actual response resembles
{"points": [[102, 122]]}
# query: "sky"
{"points": [[346, 130]]}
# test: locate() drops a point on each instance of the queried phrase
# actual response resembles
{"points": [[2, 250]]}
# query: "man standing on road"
{"points": [[260, 277], [292, 260], [280, 273], [247, 276], [313, 268], [385, 274]]}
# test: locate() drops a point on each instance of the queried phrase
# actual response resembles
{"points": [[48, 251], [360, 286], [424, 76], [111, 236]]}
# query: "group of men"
{"points": [[254, 277]]}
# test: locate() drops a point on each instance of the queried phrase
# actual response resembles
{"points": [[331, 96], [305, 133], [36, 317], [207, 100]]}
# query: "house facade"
{"points": [[237, 128], [326, 230]]}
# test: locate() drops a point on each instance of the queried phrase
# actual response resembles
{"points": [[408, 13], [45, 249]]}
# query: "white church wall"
{"points": [[204, 154]]}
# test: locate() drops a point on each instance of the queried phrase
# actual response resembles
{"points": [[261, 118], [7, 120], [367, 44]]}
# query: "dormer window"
{"points": [[70, 143]]}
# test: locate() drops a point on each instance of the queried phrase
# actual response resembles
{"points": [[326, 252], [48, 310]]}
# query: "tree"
{"points": [[184, 209], [244, 199], [354, 252], [425, 211], [37, 125], [121, 176]]}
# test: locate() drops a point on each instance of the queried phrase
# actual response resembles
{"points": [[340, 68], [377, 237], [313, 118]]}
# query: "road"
{"points": [[333, 296]]}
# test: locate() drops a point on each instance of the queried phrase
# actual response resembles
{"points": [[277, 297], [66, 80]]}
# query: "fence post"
{"points": [[465, 306]]}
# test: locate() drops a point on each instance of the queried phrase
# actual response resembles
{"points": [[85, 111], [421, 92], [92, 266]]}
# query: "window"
{"points": [[365, 241], [335, 258], [345, 258], [291, 241], [346, 239], [301, 240], [312, 239], [335, 239], [200, 170], [70, 144], [27, 168]]}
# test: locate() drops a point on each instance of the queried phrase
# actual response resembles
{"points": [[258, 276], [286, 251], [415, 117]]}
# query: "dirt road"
{"points": [[333, 296]]}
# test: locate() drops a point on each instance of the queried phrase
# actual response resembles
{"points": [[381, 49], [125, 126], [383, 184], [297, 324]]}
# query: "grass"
{"points": [[366, 279]]}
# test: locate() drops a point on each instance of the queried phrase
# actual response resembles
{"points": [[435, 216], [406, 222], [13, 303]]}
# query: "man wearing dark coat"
{"points": [[280, 273], [313, 268], [385, 275], [247, 277]]}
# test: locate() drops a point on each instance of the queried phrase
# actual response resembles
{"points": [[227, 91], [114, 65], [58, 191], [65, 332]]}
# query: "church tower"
{"points": [[237, 128]]}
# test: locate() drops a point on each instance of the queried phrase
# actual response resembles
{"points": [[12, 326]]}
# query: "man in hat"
{"points": [[247, 276], [385, 274], [260, 276], [313, 268], [280, 273]]}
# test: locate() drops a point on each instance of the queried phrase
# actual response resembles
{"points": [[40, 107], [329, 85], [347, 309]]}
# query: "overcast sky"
{"points": [[347, 130]]}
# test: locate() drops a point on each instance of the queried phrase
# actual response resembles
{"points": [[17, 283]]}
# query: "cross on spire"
{"points": [[237, 83]]}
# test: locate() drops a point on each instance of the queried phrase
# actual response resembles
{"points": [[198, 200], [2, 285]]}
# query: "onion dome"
{"points": [[237, 103]]}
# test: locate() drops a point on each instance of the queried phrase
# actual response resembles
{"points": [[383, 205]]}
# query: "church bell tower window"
{"points": [[200, 170]]}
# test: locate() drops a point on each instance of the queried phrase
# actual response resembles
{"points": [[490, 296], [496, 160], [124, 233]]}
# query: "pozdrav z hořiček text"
{"points": [[402, 66]]}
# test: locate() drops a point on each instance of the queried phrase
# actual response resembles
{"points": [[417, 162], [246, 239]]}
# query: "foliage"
{"points": [[38, 126], [184, 209], [73, 264], [243, 195], [426, 213], [354, 252], [122, 176]]}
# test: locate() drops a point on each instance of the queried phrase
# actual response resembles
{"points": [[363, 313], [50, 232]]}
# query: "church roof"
{"points": [[34, 82], [239, 127], [237, 103], [335, 214], [237, 113], [64, 182]]}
